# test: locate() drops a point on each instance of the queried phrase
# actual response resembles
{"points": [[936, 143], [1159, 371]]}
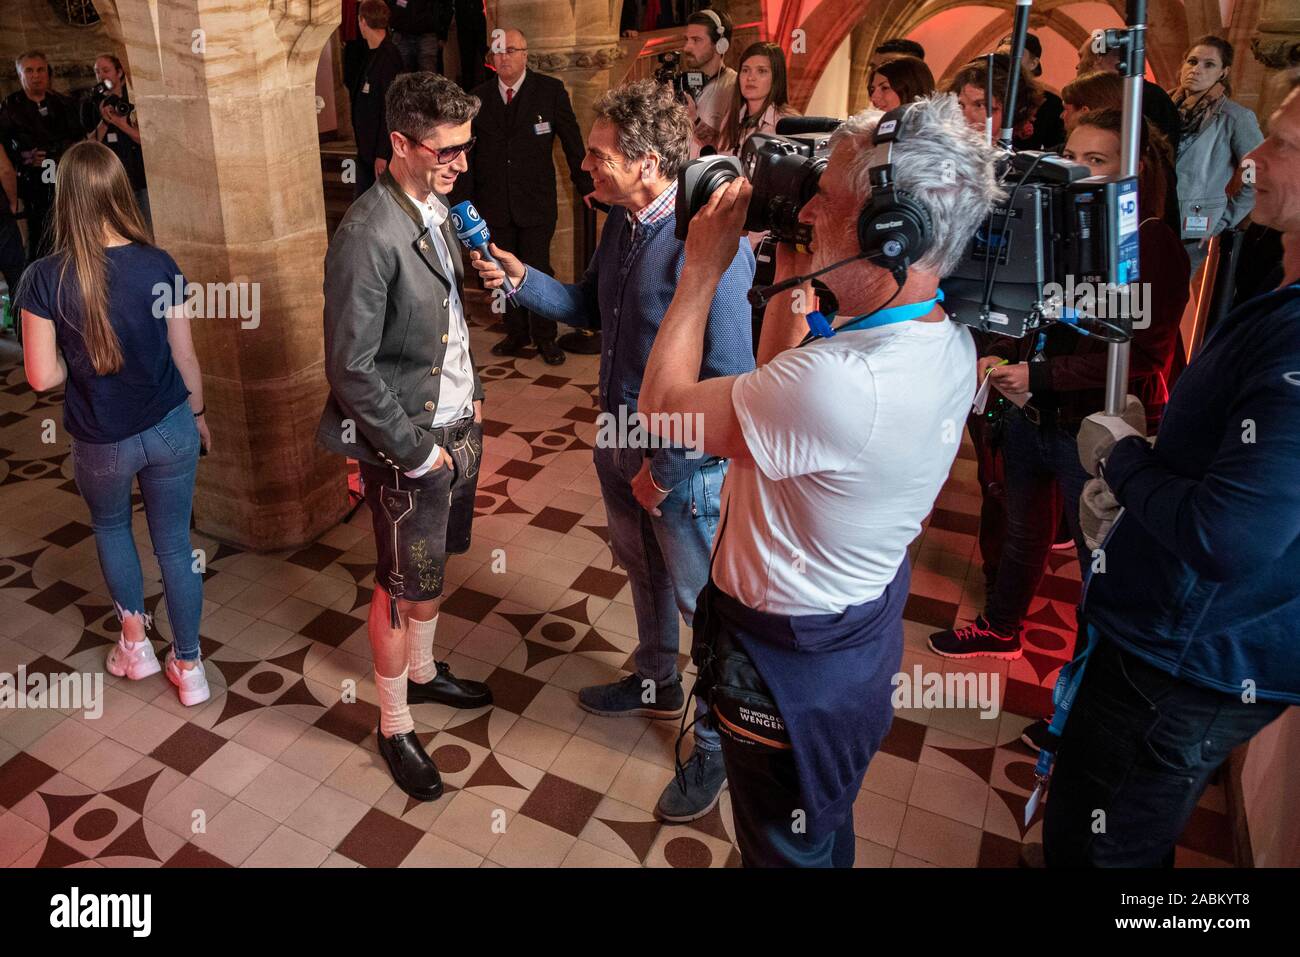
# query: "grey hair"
{"points": [[648, 120], [940, 162]]}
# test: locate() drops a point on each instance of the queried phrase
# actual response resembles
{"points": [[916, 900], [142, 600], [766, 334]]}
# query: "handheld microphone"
{"points": [[802, 125], [474, 235]]}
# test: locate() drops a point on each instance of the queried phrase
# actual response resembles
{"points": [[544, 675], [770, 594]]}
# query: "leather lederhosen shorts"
{"points": [[419, 522]]}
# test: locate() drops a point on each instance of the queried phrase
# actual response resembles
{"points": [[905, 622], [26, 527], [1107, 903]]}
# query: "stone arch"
{"points": [[833, 20]]}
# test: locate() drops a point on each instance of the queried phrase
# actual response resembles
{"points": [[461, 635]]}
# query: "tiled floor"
{"points": [[278, 769]]}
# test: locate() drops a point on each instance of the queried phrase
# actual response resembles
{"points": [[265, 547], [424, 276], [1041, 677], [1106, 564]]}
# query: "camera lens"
{"points": [[712, 181]]}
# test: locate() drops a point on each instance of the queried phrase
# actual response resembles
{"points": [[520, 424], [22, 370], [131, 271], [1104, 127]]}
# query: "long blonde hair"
{"points": [[93, 194]]}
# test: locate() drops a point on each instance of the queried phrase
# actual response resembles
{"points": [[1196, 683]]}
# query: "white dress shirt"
{"points": [[456, 395], [501, 87]]}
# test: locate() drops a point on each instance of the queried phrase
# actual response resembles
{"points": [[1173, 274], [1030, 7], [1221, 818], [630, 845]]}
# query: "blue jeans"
{"points": [[1042, 468], [666, 559], [164, 458], [1139, 746]]}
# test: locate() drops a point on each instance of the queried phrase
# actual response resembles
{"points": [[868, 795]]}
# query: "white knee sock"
{"points": [[419, 649], [394, 715]]}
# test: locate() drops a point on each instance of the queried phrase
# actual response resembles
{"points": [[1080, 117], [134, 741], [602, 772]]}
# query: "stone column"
{"points": [[862, 44], [1276, 46], [226, 101], [578, 44]]}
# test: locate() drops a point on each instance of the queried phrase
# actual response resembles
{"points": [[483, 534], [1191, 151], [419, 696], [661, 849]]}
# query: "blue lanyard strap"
{"points": [[1063, 695], [820, 323]]}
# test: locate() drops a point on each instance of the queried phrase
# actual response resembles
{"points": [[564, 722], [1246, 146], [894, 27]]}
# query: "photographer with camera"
{"points": [[708, 37], [110, 116], [1193, 624], [36, 126], [838, 451], [661, 502], [1057, 378]]}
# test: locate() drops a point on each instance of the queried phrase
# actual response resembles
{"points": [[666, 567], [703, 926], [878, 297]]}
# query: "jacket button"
{"points": [[445, 302], [436, 370], [428, 406], [444, 337]]}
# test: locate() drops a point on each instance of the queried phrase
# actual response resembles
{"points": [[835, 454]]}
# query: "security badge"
{"points": [[366, 87], [541, 127]]}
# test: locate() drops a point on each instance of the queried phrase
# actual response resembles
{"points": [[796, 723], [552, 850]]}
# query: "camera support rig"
{"points": [[1131, 44]]}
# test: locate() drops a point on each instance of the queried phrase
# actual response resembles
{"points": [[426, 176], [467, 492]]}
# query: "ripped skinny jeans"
{"points": [[163, 458]]}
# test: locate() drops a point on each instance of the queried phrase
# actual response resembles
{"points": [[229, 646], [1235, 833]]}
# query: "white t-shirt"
{"points": [[852, 438], [714, 103]]}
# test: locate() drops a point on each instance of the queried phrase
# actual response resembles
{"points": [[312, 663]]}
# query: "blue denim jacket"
{"points": [[624, 293], [1202, 573]]}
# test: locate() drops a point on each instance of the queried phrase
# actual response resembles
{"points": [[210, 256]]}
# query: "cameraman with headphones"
{"points": [[839, 448], [708, 37]]}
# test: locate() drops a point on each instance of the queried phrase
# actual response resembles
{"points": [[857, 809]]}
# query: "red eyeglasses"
{"points": [[448, 153]]}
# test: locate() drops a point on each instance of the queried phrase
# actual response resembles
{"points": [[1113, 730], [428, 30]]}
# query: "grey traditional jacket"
{"points": [[387, 321], [1207, 161]]}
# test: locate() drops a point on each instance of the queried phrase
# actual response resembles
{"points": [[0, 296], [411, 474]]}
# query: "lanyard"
{"points": [[1063, 695], [821, 327]]}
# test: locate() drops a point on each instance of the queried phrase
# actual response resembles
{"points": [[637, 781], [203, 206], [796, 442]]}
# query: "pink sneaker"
{"points": [[133, 659], [191, 683]]}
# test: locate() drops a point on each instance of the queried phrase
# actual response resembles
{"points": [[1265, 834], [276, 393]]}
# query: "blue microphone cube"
{"points": [[469, 225]]}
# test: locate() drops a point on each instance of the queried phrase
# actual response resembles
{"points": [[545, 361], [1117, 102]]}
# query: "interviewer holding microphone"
{"points": [[661, 502]]}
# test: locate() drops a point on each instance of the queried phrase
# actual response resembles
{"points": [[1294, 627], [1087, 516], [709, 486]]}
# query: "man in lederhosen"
{"points": [[406, 402]]}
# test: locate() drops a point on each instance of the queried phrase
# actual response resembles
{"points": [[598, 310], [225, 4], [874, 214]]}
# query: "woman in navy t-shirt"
{"points": [[103, 314]]}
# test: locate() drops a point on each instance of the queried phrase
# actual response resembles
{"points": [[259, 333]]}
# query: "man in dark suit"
{"points": [[36, 126], [511, 178], [368, 88]]}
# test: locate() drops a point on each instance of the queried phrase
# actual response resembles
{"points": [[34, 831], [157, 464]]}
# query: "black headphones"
{"points": [[894, 229]]}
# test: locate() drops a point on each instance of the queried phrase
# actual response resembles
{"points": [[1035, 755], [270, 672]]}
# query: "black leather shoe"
{"points": [[511, 345], [410, 766], [552, 354], [447, 689], [579, 343]]}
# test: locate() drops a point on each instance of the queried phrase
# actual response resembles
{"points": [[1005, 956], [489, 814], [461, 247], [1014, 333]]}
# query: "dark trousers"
{"points": [[365, 176], [12, 258], [471, 38], [1041, 472], [764, 806], [532, 244], [985, 437], [1139, 747], [39, 223]]}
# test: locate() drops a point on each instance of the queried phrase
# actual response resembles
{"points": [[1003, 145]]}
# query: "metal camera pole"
{"points": [[1018, 33], [1131, 43]]}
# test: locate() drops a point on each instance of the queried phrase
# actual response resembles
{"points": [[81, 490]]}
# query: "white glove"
{"points": [[1098, 510], [1099, 432]]}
